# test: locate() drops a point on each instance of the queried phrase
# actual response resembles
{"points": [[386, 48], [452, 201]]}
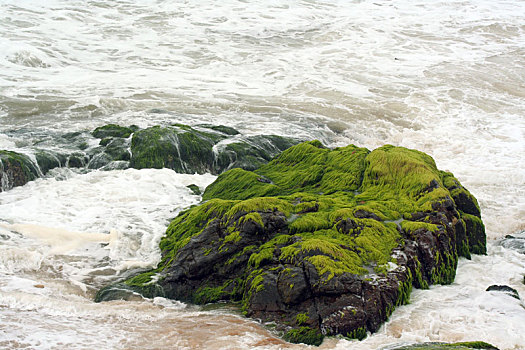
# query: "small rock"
{"points": [[515, 242], [505, 289], [195, 189], [38, 286]]}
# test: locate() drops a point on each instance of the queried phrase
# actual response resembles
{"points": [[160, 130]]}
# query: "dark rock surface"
{"points": [[319, 241], [515, 241], [16, 169], [504, 289]]}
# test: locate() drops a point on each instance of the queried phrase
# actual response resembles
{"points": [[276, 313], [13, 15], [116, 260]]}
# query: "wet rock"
{"points": [[504, 289], [221, 128], [118, 149], [184, 150], [193, 150], [116, 165], [331, 244], [251, 152], [179, 147], [119, 291], [77, 160], [113, 130], [515, 241], [195, 189], [16, 169], [48, 160]]}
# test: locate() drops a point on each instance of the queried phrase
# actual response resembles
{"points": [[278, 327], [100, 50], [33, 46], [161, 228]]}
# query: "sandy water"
{"points": [[447, 78]]}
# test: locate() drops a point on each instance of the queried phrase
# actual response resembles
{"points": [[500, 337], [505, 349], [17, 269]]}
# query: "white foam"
{"points": [[128, 210]]}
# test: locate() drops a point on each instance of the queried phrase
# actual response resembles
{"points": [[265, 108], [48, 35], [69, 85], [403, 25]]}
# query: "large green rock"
{"points": [[320, 241]]}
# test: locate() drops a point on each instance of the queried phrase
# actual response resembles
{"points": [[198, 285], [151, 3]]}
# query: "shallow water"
{"points": [[447, 78]]}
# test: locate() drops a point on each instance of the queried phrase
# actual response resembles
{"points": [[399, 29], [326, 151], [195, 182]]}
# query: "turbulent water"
{"points": [[445, 77]]}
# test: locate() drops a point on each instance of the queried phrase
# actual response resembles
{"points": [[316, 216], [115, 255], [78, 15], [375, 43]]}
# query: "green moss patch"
{"points": [[305, 335]]}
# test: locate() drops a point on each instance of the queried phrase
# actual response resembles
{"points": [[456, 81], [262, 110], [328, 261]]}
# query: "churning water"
{"points": [[445, 77]]}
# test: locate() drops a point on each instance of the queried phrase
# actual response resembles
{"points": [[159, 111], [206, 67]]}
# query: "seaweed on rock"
{"points": [[321, 241], [16, 169]]}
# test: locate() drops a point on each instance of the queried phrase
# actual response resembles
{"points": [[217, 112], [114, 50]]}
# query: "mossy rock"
{"points": [[117, 149], [195, 189], [181, 149], [227, 130], [194, 150], [16, 169], [113, 130], [48, 160], [318, 240], [77, 160], [250, 153]]}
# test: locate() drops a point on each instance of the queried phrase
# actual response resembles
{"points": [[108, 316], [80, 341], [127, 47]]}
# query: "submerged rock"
{"points": [[504, 289], [515, 241], [250, 153], [182, 148], [195, 189], [204, 149], [319, 241], [16, 169], [48, 160]]}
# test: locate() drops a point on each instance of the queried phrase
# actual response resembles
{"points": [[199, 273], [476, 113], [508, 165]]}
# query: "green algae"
{"points": [[239, 184], [404, 289], [16, 169], [412, 226], [464, 200], [260, 204], [253, 216], [113, 130], [205, 295], [180, 148], [445, 270], [359, 334], [194, 189], [311, 222], [390, 182], [146, 284], [302, 318], [221, 128], [188, 224], [475, 233], [305, 335]]}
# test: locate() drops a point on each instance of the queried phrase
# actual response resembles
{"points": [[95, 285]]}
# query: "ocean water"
{"points": [[444, 77]]}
